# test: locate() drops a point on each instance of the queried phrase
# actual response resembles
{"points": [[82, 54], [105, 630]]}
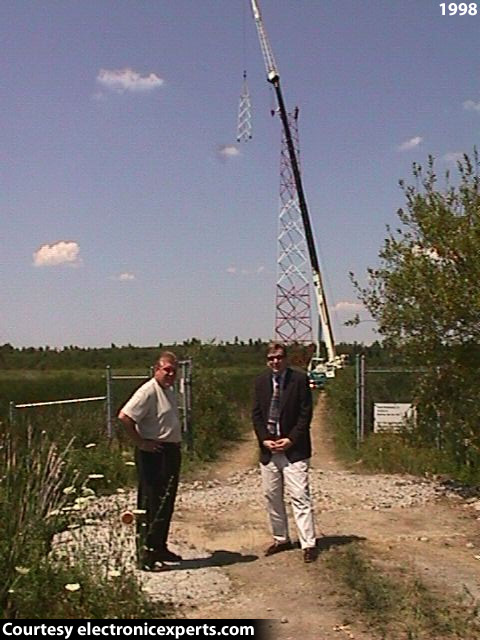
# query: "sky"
{"points": [[129, 214]]}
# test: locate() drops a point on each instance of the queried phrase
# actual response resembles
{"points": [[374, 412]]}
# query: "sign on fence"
{"points": [[391, 417]]}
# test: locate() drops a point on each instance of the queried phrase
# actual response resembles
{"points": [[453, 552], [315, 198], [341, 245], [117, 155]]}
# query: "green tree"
{"points": [[425, 298]]}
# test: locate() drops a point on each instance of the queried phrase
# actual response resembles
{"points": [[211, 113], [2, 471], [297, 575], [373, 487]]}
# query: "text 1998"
{"points": [[461, 9]]}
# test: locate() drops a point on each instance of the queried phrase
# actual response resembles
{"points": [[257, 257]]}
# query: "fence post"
{"points": [[438, 435], [11, 412], [188, 396], [185, 392], [362, 397], [108, 377], [357, 398]]}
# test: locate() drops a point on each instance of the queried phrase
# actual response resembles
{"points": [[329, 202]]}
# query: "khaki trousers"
{"points": [[281, 475]]}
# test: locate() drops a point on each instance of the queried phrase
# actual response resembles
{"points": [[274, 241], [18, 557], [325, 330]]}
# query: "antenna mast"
{"points": [[293, 318]]}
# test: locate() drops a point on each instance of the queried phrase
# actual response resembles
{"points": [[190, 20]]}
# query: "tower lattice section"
{"points": [[293, 311]]}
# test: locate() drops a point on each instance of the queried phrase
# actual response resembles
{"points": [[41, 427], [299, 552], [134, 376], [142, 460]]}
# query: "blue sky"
{"points": [[129, 214]]}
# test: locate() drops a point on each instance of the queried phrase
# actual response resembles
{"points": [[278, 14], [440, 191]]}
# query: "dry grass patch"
{"points": [[395, 603]]}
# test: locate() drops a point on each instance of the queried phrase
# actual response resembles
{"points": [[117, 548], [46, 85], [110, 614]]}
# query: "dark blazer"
{"points": [[295, 413]]}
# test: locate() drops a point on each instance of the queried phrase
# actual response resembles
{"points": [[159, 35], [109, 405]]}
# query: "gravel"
{"points": [[331, 491], [111, 544]]}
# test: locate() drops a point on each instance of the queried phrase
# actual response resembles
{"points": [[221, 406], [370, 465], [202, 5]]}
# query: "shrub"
{"points": [[215, 420]]}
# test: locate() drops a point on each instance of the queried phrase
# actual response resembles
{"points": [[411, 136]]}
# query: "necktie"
{"points": [[274, 411]]}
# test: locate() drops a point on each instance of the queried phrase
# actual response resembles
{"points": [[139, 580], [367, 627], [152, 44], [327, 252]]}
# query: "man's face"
{"points": [[165, 373], [277, 361]]}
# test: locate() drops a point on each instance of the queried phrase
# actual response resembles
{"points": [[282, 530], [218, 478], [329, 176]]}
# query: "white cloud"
{"points": [[470, 105], [63, 252], [228, 151], [408, 145], [122, 80], [453, 156], [345, 305], [125, 277]]}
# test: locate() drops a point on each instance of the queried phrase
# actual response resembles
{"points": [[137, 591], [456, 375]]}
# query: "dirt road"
{"points": [[220, 524]]}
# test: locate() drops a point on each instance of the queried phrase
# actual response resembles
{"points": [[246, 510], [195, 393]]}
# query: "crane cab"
{"points": [[317, 373]]}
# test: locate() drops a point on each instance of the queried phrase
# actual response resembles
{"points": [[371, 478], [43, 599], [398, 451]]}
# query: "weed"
{"points": [[40, 496], [397, 605]]}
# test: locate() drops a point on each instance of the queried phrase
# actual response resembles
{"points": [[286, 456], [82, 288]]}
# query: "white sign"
{"points": [[392, 417]]}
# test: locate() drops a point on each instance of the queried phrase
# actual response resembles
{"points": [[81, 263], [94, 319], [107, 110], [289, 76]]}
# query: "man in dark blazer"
{"points": [[281, 416]]}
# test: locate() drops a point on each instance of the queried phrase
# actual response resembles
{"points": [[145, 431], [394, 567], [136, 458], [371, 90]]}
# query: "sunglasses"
{"points": [[272, 358], [168, 370]]}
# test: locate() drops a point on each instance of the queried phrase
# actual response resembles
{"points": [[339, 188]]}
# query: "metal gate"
{"points": [[183, 388]]}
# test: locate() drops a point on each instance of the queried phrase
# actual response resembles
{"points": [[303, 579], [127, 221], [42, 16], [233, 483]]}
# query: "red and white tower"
{"points": [[292, 309]]}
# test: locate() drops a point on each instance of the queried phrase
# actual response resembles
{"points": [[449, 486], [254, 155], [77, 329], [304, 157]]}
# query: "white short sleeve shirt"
{"points": [[154, 410]]}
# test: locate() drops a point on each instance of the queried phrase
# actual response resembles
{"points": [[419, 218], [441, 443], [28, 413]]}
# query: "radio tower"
{"points": [[292, 314]]}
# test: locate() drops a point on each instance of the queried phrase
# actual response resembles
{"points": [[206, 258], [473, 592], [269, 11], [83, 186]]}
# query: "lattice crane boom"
{"points": [[267, 52], [273, 77]]}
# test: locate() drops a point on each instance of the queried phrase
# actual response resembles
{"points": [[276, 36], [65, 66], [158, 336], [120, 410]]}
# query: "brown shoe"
{"points": [[309, 554], [276, 547]]}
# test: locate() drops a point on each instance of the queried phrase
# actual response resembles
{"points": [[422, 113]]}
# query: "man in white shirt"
{"points": [[151, 421]]}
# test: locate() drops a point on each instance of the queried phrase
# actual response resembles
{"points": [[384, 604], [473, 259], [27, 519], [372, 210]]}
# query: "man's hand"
{"points": [[270, 444], [278, 446], [149, 445], [283, 444], [144, 444]]}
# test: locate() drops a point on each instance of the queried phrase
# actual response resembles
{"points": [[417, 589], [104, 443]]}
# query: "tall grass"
{"points": [[340, 393], [219, 413], [32, 480], [90, 450], [35, 386], [38, 498]]}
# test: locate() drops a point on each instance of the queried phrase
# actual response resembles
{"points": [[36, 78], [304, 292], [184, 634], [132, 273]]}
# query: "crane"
{"points": [[273, 76]]}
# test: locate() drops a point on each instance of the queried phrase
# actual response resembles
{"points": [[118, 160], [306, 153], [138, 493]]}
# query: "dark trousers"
{"points": [[158, 475]]}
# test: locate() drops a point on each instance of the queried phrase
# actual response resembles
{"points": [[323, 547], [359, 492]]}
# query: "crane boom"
{"points": [[274, 78]]}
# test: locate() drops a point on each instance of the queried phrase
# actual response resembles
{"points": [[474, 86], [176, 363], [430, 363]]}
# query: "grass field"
{"points": [[56, 459]]}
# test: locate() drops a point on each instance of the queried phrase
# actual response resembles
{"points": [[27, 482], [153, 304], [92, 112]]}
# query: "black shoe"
{"points": [[277, 547], [165, 555], [309, 554], [149, 563], [156, 567]]}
